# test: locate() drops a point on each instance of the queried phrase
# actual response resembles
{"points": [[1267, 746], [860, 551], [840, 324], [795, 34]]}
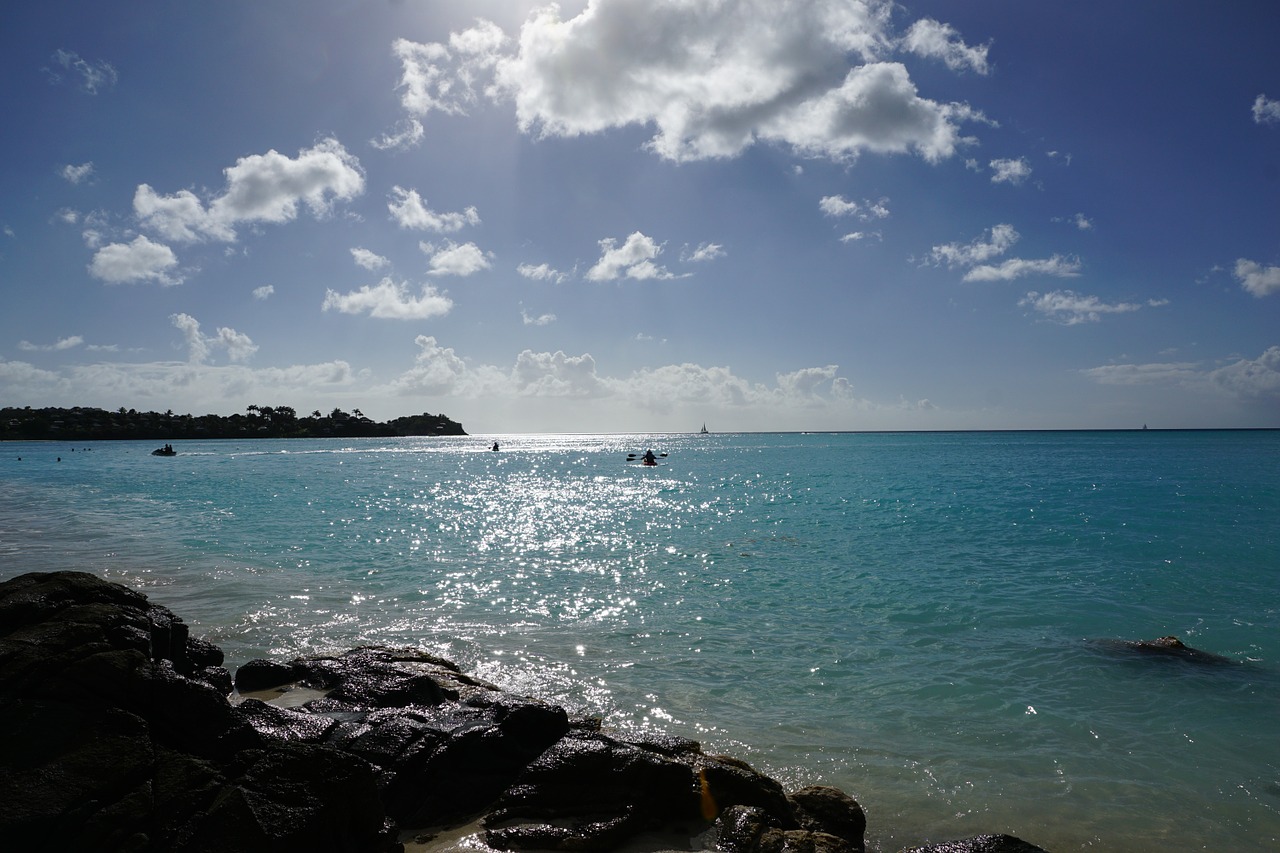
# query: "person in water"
{"points": [[495, 445], [649, 458]]}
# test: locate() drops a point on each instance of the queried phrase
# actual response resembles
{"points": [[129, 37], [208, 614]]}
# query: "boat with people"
{"points": [[167, 450], [649, 459]]}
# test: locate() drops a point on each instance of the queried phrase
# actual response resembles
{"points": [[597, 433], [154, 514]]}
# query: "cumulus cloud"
{"points": [[92, 77], [1008, 171], [711, 79], [440, 370], [264, 292], [555, 374], [367, 259], [200, 347], [1070, 308], [838, 205], [390, 299], [260, 188], [140, 260], [1256, 279], [633, 259], [1246, 378], [76, 174], [444, 77], [542, 272], [460, 259], [409, 210], [1266, 111], [930, 38], [998, 241]]}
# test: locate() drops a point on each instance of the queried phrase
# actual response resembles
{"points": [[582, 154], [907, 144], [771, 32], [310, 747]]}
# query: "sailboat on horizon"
{"points": [[703, 431]]}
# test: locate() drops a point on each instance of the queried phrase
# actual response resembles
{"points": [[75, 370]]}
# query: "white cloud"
{"points": [[540, 320], [93, 77], [461, 259], [1249, 379], [140, 260], [201, 346], [260, 188], [261, 293], [1009, 171], [1001, 239], [408, 134], [1070, 308], [70, 342], [389, 299], [1266, 111], [76, 174], [443, 78], [1082, 222], [367, 259], [1256, 279], [837, 205], [410, 211], [711, 79], [634, 259], [1058, 266], [704, 252], [930, 38], [859, 236], [542, 272], [557, 375]]}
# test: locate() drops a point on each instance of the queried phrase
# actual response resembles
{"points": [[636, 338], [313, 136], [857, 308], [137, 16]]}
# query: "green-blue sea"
{"points": [[921, 619]]}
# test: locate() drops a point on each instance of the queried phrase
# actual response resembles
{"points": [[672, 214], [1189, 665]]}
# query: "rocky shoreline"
{"points": [[119, 733]]}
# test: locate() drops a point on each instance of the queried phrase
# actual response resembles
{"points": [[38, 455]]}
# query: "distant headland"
{"points": [[90, 424]]}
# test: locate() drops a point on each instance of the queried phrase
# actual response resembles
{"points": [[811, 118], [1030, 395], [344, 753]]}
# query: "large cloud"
{"points": [[712, 78], [260, 188]]}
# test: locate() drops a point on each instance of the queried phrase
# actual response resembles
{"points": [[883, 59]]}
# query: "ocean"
{"points": [[925, 620]]}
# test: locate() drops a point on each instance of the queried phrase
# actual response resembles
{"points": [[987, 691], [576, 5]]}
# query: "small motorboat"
{"points": [[167, 450]]}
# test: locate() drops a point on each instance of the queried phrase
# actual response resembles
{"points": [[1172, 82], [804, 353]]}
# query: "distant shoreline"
{"points": [[92, 424]]}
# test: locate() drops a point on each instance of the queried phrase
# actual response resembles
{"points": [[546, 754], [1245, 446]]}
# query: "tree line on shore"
{"points": [[90, 424]]}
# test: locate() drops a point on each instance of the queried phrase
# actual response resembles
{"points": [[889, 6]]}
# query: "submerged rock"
{"points": [[1166, 647]]}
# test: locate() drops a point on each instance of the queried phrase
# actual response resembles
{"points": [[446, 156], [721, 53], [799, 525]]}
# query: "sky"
{"points": [[646, 215]]}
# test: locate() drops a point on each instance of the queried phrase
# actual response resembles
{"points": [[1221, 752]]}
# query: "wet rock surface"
{"points": [[118, 734]]}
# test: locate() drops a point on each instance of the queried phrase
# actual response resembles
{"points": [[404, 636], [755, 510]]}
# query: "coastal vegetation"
{"points": [[90, 424]]}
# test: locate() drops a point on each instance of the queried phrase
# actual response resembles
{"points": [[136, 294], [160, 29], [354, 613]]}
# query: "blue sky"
{"points": [[635, 215]]}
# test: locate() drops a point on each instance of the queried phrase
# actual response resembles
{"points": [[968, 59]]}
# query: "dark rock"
{"points": [[264, 675], [117, 734], [819, 808], [980, 844], [295, 794], [1166, 648]]}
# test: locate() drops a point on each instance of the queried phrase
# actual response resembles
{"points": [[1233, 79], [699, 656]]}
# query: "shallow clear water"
{"points": [[906, 616]]}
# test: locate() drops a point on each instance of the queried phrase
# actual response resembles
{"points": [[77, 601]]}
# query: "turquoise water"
{"points": [[906, 616]]}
